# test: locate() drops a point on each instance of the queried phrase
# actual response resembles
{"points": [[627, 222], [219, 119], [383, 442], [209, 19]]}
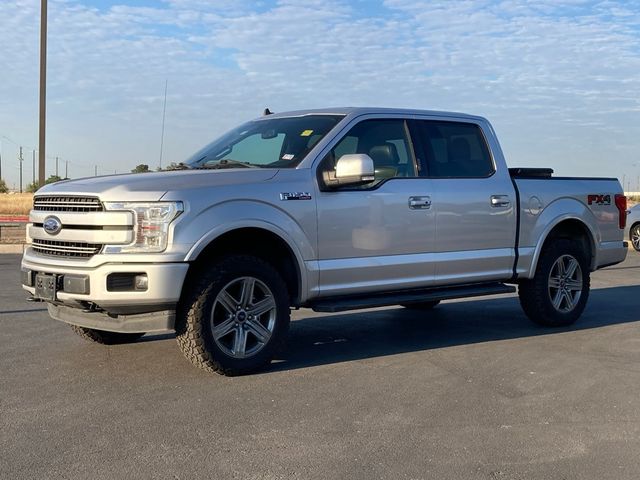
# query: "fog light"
{"points": [[141, 282], [127, 282]]}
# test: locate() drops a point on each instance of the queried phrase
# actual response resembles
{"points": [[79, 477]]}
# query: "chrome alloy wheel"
{"points": [[635, 237], [565, 283], [243, 317]]}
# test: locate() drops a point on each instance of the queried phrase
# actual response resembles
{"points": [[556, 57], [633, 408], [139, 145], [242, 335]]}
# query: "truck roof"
{"points": [[357, 111]]}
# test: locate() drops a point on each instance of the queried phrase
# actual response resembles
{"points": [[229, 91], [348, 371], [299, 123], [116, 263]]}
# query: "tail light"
{"points": [[621, 204]]}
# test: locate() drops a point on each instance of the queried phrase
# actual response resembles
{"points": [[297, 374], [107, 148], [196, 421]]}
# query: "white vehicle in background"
{"points": [[333, 210], [632, 232]]}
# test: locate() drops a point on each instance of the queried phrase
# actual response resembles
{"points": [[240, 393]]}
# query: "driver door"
{"points": [[380, 236]]}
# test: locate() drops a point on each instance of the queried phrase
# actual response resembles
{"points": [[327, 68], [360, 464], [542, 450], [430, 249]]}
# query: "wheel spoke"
{"points": [[227, 301], [560, 267], [247, 292], [224, 328], [240, 342], [263, 306], [573, 265], [557, 299], [574, 285], [568, 301], [554, 282], [258, 330]]}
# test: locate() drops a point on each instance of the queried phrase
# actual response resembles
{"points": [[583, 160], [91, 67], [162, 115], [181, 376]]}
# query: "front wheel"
{"points": [[634, 237], [558, 292], [235, 318]]}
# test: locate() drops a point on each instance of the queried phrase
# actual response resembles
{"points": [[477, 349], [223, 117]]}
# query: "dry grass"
{"points": [[15, 203], [633, 199]]}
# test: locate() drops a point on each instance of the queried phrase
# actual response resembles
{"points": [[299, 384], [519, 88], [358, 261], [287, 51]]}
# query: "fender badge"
{"points": [[599, 199], [295, 196]]}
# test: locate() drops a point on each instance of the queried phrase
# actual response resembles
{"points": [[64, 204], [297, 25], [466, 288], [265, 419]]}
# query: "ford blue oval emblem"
{"points": [[52, 225]]}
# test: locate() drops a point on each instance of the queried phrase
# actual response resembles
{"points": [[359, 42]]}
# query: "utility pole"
{"points": [[34, 167], [21, 160], [95, 171], [66, 169], [56, 166], [164, 110], [43, 91]]}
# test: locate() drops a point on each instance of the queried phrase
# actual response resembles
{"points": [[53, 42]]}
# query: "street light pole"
{"points": [[43, 91]]}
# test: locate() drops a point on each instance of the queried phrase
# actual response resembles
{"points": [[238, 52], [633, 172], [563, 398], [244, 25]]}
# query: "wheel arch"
{"points": [[262, 241], [568, 227]]}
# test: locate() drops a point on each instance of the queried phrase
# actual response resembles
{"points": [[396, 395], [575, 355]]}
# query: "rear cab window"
{"points": [[452, 149]]}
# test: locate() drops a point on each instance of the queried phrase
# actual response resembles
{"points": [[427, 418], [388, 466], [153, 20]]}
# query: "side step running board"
{"points": [[355, 302]]}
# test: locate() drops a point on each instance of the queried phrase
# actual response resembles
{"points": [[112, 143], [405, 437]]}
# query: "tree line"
{"points": [[33, 186]]}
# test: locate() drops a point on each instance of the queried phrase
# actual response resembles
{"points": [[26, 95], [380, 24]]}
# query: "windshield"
{"points": [[273, 143]]}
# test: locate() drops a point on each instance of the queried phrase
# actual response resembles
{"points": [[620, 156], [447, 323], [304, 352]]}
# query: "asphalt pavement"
{"points": [[471, 390]]}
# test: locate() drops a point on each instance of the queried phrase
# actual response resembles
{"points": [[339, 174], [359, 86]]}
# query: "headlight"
{"points": [[150, 227]]}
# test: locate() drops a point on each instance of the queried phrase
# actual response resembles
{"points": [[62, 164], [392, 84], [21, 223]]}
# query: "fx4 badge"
{"points": [[599, 199], [295, 196]]}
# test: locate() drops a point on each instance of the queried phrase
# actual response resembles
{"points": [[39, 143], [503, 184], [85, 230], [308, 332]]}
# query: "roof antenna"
{"points": [[267, 112]]}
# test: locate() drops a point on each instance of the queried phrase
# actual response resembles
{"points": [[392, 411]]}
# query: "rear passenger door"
{"points": [[474, 204]]}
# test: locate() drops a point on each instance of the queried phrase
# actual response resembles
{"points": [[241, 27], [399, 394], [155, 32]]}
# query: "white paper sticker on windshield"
{"points": [[288, 156]]}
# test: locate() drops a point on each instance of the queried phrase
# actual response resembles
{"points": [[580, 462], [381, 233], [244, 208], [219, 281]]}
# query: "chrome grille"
{"points": [[65, 249], [66, 204]]}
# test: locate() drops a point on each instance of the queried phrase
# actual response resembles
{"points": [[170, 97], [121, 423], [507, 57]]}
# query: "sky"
{"points": [[559, 80]]}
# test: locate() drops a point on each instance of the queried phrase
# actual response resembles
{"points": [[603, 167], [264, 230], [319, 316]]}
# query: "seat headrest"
{"points": [[384, 155]]}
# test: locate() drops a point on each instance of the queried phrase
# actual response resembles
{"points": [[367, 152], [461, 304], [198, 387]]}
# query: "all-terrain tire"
{"points": [[207, 302], [105, 338], [421, 305], [562, 275]]}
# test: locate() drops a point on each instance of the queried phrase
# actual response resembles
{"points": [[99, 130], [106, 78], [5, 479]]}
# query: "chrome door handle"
{"points": [[500, 201], [419, 203]]}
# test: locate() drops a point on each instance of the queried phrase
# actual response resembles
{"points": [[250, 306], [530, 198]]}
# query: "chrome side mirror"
{"points": [[351, 170]]}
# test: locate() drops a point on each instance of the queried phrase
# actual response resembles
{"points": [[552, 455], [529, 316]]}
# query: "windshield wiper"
{"points": [[228, 163]]}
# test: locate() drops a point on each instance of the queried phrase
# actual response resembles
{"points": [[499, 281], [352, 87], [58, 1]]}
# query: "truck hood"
{"points": [[149, 187]]}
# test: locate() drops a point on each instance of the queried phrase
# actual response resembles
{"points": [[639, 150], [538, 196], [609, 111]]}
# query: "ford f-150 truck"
{"points": [[332, 210]]}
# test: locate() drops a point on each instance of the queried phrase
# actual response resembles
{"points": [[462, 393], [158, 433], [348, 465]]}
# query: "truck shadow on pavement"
{"points": [[329, 339]]}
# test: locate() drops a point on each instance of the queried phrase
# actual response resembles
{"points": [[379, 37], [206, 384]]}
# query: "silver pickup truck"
{"points": [[334, 209]]}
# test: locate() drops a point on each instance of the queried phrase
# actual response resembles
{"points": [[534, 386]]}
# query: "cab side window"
{"points": [[385, 141], [454, 149]]}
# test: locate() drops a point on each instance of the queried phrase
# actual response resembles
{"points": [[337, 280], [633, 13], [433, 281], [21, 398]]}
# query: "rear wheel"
{"points": [[105, 338], [236, 318], [558, 292], [634, 236]]}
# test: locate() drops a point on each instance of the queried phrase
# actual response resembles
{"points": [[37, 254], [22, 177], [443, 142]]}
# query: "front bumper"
{"points": [[164, 285], [144, 322]]}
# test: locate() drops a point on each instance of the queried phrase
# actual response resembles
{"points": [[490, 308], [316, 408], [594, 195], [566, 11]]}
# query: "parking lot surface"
{"points": [[469, 390]]}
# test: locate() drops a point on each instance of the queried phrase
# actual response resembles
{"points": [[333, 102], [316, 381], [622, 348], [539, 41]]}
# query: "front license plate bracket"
{"points": [[46, 286]]}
